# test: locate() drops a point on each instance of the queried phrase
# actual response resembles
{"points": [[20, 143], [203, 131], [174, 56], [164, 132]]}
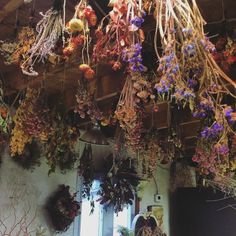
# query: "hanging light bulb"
{"points": [[94, 136]]}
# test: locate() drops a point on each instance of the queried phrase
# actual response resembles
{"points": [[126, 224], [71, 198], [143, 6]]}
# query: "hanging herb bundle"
{"points": [[118, 195], [16, 52], [62, 208], [86, 103], [86, 170], [60, 147], [121, 33], [129, 110], [189, 75], [49, 31], [118, 187], [30, 121], [152, 154]]}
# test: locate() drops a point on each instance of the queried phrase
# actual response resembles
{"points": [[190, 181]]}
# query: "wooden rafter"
{"points": [[9, 7]]}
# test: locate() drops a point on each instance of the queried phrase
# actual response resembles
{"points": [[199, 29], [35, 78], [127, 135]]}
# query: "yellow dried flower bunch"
{"points": [[19, 137], [30, 122]]}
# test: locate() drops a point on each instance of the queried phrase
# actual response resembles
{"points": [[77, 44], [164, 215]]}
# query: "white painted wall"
{"points": [[162, 178], [24, 188]]}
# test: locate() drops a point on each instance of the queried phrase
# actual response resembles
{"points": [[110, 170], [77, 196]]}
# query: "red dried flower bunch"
{"points": [[225, 54], [121, 32]]}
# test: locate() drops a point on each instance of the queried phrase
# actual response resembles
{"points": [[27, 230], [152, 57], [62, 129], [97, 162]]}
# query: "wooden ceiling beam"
{"points": [[9, 7]]}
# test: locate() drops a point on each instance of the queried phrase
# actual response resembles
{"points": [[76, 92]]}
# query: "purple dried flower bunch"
{"points": [[188, 75], [133, 56]]}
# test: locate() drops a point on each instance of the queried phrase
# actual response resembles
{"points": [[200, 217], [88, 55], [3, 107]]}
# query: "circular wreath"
{"points": [[62, 208]]}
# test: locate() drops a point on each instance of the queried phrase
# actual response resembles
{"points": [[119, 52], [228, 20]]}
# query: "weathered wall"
{"points": [[22, 190]]}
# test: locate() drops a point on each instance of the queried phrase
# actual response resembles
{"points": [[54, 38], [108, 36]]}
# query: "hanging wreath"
{"points": [[62, 208]]}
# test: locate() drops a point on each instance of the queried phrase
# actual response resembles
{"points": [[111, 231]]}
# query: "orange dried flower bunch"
{"points": [[129, 115], [19, 137], [17, 51]]}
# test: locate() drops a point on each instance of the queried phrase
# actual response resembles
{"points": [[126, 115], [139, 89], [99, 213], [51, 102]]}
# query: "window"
{"points": [[123, 219], [90, 224], [101, 222]]}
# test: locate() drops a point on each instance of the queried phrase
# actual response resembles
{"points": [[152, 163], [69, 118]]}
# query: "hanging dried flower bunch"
{"points": [[118, 195], [189, 75], [60, 147], [62, 208], [152, 154], [118, 186], [31, 121], [49, 31], [129, 110], [86, 170], [5, 118], [79, 29], [225, 54], [16, 52], [121, 33], [86, 103]]}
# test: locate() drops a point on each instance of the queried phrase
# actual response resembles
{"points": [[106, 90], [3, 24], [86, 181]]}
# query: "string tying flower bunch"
{"points": [[50, 29], [121, 32]]}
